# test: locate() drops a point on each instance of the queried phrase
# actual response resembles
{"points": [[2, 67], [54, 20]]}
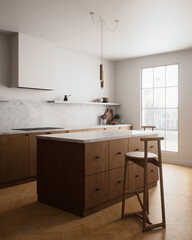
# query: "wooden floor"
{"points": [[23, 218]]}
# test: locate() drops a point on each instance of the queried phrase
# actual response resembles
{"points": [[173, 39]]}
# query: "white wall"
{"points": [[128, 94], [78, 75]]}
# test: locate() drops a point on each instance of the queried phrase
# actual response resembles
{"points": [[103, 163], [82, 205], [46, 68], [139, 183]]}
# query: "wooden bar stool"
{"points": [[142, 159], [145, 127]]}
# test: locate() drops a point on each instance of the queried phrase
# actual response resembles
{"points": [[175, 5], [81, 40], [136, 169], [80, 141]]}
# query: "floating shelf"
{"points": [[4, 100], [85, 103]]}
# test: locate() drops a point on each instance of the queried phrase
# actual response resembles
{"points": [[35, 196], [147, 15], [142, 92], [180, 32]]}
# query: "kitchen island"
{"points": [[83, 172]]}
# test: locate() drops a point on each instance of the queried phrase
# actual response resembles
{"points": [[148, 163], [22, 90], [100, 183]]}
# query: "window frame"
{"points": [[141, 102]]}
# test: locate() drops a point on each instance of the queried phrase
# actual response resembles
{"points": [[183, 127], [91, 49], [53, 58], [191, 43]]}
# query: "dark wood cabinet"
{"points": [[84, 178], [16, 157], [2, 158]]}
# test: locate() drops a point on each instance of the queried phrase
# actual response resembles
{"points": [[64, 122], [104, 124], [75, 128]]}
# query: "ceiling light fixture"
{"points": [[102, 22]]}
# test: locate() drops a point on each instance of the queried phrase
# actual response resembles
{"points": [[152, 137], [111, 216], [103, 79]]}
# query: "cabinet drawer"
{"points": [[117, 150], [152, 145], [96, 157], [96, 189], [135, 144], [116, 182], [153, 173], [135, 177]]}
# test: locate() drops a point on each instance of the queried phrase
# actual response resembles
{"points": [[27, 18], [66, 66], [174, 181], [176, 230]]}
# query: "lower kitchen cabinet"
{"points": [[16, 157], [2, 158]]}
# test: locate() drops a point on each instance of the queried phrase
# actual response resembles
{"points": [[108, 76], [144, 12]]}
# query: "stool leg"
{"points": [[145, 191], [124, 189], [147, 201], [161, 187]]}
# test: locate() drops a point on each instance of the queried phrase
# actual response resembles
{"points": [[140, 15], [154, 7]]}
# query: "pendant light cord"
{"points": [[101, 20]]}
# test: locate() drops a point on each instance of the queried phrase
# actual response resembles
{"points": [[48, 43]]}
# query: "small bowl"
{"points": [[105, 99]]}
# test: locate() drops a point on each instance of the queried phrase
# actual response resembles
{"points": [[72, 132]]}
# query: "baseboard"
{"points": [[187, 163]]}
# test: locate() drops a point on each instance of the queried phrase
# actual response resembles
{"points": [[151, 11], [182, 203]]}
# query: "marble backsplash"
{"points": [[27, 113]]}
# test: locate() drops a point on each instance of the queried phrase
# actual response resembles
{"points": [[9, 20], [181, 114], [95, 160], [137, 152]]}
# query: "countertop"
{"points": [[11, 131], [95, 136]]}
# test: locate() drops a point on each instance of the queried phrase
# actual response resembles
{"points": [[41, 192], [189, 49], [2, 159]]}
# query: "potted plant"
{"points": [[117, 118]]}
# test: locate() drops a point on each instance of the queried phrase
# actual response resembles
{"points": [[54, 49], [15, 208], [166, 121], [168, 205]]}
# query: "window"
{"points": [[159, 105]]}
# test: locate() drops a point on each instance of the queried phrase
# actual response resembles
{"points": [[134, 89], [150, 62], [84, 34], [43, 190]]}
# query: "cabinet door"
{"points": [[16, 162], [2, 157], [135, 144], [96, 189], [96, 157], [117, 150], [116, 182]]}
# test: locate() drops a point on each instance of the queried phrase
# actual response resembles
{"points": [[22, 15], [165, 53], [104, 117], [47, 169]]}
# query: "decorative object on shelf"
{"points": [[66, 97], [102, 22], [105, 99], [109, 115], [103, 119], [99, 100]]}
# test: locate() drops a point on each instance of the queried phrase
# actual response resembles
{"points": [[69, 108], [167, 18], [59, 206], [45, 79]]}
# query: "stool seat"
{"points": [[140, 155]]}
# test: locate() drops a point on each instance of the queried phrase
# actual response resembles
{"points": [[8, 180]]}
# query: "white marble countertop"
{"points": [[11, 131], [95, 136]]}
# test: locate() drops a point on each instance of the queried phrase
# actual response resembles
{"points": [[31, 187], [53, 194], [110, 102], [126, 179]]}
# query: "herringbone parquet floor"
{"points": [[23, 218]]}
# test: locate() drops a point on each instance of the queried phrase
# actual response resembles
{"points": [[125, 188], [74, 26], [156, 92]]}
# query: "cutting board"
{"points": [[109, 115]]}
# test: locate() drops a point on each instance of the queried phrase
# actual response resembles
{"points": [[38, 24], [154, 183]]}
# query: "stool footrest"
{"points": [[157, 225]]}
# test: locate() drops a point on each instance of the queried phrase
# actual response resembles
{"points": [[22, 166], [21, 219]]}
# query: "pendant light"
{"points": [[102, 22]]}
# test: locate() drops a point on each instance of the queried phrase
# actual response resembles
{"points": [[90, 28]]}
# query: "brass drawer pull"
{"points": [[119, 153], [97, 189], [136, 176], [137, 149], [97, 157], [151, 146], [119, 181]]}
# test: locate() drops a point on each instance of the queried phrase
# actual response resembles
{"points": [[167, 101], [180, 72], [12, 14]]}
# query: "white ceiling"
{"points": [[145, 28]]}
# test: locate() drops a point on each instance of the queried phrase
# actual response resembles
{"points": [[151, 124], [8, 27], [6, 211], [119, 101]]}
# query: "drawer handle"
{"points": [[137, 149], [97, 189], [152, 170], [48, 132], [119, 153], [119, 182], [136, 176], [97, 157], [151, 146]]}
